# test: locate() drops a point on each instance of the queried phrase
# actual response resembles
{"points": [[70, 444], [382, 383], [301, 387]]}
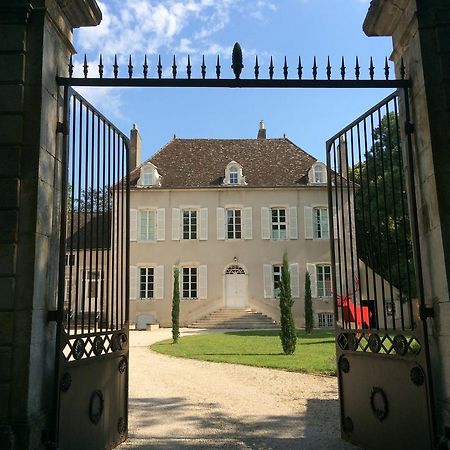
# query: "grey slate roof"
{"points": [[193, 163]]}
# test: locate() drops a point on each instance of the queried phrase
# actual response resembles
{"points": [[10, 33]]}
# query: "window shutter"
{"points": [[248, 223], [265, 223], [335, 223], [268, 280], [311, 268], [295, 282], [176, 226], [293, 228], [220, 223], [325, 224], [159, 282], [133, 224], [203, 224], [161, 224], [308, 212], [133, 281], [202, 282]]}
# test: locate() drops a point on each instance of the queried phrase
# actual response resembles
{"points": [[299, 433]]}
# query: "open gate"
{"points": [[92, 316], [381, 333]]}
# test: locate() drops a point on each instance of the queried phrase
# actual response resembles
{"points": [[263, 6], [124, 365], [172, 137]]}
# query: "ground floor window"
{"points": [[276, 280], [324, 281], [91, 283], [326, 320], [146, 282], [189, 282]]}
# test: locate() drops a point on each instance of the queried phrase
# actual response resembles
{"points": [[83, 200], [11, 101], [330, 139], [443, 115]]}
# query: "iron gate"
{"points": [[92, 316], [382, 348]]}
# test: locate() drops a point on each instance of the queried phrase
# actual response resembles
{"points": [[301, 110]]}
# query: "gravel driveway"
{"points": [[185, 404]]}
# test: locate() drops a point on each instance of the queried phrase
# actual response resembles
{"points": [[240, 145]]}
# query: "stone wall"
{"points": [[35, 45], [421, 36]]}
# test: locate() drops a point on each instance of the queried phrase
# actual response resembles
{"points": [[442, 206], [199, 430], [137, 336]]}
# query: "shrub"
{"points": [[309, 321], [288, 334], [176, 305]]}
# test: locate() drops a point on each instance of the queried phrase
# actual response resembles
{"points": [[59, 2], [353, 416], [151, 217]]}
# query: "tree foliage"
{"points": [[309, 320], [176, 305], [381, 208], [288, 334], [92, 200]]}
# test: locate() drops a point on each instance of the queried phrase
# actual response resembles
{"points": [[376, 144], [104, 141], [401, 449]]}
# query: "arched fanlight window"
{"points": [[235, 270]]}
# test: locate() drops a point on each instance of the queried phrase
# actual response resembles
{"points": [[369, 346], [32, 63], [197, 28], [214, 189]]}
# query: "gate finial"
{"points": [[237, 65]]}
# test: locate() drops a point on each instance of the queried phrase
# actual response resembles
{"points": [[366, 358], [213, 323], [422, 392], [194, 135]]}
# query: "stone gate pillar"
{"points": [[421, 36], [35, 43]]}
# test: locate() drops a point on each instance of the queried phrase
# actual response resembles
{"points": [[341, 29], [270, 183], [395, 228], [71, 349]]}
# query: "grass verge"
{"points": [[315, 353]]}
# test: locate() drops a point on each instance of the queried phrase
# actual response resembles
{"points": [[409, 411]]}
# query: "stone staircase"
{"points": [[237, 319]]}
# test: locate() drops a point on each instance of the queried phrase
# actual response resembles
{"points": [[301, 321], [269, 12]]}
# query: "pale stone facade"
{"points": [[214, 249]]}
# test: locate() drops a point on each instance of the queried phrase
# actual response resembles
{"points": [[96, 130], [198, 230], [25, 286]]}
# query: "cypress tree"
{"points": [[288, 334], [176, 305], [309, 321]]}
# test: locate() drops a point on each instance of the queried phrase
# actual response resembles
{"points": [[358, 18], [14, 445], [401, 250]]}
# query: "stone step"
{"points": [[235, 318]]}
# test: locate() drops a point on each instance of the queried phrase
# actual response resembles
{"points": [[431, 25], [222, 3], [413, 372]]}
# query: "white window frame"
{"points": [[321, 283], [318, 169], [147, 235], [86, 280], [192, 227], [276, 277], [321, 229], [276, 225], [325, 320], [190, 289], [235, 233], [147, 282], [70, 257], [233, 175]]}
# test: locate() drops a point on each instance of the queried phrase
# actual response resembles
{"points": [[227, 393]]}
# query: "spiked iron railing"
{"points": [[145, 78]]}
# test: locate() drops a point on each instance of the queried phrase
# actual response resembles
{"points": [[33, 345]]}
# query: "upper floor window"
{"points": [[149, 176], [233, 175], [320, 223], [189, 224], [234, 226], [318, 173], [278, 223], [323, 280], [147, 225]]}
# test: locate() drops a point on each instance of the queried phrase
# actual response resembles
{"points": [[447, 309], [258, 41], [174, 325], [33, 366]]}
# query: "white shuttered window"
{"points": [[248, 223], [265, 223], [133, 224], [295, 282], [220, 224], [311, 268], [268, 281]]}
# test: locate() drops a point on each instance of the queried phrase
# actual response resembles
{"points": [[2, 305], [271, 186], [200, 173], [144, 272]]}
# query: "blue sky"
{"points": [[265, 28]]}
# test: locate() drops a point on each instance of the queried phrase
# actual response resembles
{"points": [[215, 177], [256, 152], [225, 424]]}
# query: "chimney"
{"points": [[135, 148], [262, 130], [342, 154]]}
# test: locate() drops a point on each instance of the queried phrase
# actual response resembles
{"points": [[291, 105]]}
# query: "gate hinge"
{"points": [[409, 127], [426, 312], [54, 316], [61, 127]]}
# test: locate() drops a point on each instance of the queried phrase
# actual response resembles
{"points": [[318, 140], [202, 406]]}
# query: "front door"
{"points": [[236, 287]]}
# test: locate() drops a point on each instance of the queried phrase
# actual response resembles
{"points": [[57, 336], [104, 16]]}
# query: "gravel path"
{"points": [[186, 404]]}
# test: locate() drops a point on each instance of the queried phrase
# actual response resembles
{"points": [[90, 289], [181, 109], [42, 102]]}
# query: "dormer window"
{"points": [[149, 176], [318, 173], [233, 175]]}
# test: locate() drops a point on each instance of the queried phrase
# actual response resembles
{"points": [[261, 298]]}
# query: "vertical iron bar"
{"points": [[91, 227], [403, 209], [363, 208], [127, 237], [98, 215], [366, 151], [109, 235], [104, 215], [113, 230], [388, 239], [383, 294], [394, 206], [117, 229], [122, 271]]}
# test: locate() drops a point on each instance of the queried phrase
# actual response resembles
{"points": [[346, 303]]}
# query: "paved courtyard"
{"points": [[185, 404]]}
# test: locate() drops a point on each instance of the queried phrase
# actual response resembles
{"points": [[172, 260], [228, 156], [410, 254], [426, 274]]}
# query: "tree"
{"points": [[176, 305], [288, 334], [381, 208], [93, 200], [309, 321]]}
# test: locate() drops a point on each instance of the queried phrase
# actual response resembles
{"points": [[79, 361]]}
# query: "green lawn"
{"points": [[315, 353]]}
